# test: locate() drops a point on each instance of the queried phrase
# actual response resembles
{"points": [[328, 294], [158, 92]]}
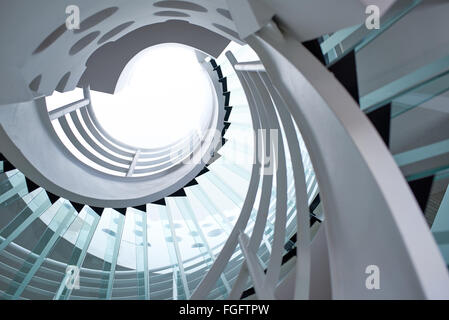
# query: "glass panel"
{"points": [[168, 227], [234, 187], [241, 115], [414, 81], [420, 95], [104, 245], [158, 255], [357, 37], [12, 187], [200, 241], [141, 241], [238, 97], [87, 222], [239, 169], [210, 214], [36, 204], [125, 278], [52, 233], [219, 291], [181, 244], [218, 197]]}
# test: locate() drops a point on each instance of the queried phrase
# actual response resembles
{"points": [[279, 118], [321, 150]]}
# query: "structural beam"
{"points": [[250, 66], [133, 164], [59, 112]]}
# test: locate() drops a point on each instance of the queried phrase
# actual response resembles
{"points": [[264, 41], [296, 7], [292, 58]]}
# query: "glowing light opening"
{"points": [[162, 95]]}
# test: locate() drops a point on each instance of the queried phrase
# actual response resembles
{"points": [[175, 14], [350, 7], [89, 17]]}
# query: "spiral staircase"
{"points": [[347, 169]]}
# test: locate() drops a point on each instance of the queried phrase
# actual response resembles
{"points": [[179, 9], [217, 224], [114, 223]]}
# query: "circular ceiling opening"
{"points": [[162, 96]]}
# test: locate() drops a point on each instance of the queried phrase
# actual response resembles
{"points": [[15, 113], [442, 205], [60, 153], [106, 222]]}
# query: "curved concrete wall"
{"points": [[30, 143], [39, 54]]}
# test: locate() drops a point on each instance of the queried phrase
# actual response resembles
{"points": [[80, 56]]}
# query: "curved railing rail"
{"points": [[31, 275], [368, 206], [100, 150], [51, 274], [262, 108]]}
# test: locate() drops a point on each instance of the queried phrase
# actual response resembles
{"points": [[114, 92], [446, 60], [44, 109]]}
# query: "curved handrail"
{"points": [[217, 268], [157, 160], [366, 173]]}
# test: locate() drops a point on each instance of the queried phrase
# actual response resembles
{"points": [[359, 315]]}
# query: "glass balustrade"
{"points": [[162, 253], [337, 44]]}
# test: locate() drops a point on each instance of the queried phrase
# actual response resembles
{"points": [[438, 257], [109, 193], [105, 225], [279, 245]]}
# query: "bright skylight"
{"points": [[162, 95]]}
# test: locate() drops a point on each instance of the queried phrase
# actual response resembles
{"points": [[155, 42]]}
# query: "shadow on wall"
{"points": [[106, 64]]}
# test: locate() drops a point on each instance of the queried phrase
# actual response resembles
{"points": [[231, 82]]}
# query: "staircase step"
{"points": [[381, 119], [345, 70], [421, 189]]}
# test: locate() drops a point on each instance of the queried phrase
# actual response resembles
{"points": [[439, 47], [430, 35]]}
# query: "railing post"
{"points": [[133, 164]]}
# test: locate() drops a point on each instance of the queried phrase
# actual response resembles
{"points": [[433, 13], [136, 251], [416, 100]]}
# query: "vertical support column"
{"points": [[145, 255], [86, 92], [178, 253], [83, 241], [170, 247], [175, 283], [116, 250]]}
